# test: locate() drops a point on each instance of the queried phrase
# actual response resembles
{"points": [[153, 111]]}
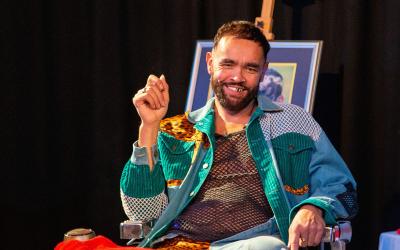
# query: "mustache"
{"points": [[230, 83]]}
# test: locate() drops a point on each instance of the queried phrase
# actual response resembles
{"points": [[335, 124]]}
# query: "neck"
{"points": [[227, 122]]}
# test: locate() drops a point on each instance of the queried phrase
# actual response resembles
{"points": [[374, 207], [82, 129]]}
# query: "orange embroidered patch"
{"points": [[298, 191], [174, 183]]}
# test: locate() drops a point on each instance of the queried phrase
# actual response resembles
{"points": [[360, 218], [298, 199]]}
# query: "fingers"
{"points": [[143, 98], [298, 237], [294, 239], [155, 94], [151, 98], [303, 241], [307, 228], [165, 88], [316, 232], [305, 235], [155, 87]]}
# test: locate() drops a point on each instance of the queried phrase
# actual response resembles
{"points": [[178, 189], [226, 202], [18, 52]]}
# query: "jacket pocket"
{"points": [[293, 153], [176, 156]]}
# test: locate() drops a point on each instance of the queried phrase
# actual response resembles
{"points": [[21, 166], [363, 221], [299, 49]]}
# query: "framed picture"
{"points": [[291, 76]]}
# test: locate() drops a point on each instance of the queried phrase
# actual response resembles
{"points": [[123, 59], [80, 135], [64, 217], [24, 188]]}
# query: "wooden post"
{"points": [[264, 22]]}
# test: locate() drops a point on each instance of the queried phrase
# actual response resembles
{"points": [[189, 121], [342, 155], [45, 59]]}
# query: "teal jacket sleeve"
{"points": [[332, 186], [142, 191]]}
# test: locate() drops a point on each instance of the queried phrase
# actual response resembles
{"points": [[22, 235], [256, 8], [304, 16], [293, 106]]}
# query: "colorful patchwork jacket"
{"points": [[295, 160]]}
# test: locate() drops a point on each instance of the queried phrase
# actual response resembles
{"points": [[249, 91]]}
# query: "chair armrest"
{"points": [[339, 232], [135, 231], [338, 235]]}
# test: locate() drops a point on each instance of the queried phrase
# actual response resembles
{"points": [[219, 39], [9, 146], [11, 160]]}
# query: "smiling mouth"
{"points": [[236, 88]]}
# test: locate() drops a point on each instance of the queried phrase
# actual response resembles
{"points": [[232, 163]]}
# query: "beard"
{"points": [[233, 104]]}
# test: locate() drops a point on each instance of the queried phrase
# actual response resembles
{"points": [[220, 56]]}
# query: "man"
{"points": [[271, 86], [241, 172]]}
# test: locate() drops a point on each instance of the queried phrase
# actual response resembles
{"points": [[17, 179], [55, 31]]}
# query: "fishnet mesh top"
{"points": [[231, 199]]}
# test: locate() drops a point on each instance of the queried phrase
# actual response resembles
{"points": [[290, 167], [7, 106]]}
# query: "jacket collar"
{"points": [[207, 111], [266, 104]]}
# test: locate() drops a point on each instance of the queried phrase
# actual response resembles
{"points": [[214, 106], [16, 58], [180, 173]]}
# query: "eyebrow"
{"points": [[253, 65], [250, 64], [227, 60]]}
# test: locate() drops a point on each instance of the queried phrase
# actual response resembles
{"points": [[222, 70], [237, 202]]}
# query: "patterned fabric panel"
{"points": [[231, 199], [143, 208], [349, 200], [181, 128], [174, 183], [182, 243], [292, 119]]}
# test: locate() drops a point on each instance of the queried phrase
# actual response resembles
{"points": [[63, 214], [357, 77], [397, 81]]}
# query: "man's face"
{"points": [[236, 66]]}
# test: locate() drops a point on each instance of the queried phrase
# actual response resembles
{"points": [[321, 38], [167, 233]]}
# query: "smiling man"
{"points": [[240, 173]]}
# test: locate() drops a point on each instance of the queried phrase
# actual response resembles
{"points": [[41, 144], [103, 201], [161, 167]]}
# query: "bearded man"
{"points": [[240, 173]]}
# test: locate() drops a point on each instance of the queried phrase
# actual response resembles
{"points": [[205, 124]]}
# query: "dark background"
{"points": [[70, 69]]}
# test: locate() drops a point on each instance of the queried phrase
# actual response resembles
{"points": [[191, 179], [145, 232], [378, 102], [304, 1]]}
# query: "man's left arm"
{"points": [[332, 196]]}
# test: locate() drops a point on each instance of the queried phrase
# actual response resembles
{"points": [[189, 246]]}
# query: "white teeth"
{"points": [[237, 89]]}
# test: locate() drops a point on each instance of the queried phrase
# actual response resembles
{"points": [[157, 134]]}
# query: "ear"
{"points": [[209, 60]]}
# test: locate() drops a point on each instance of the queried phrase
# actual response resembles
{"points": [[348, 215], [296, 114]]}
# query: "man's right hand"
{"points": [[151, 103]]}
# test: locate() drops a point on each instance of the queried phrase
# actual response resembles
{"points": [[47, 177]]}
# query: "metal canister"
{"points": [[81, 234]]}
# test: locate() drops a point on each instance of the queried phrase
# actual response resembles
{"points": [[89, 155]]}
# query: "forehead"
{"points": [[237, 47]]}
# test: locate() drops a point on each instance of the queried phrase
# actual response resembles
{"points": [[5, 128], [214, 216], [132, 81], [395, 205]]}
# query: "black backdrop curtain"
{"points": [[71, 68]]}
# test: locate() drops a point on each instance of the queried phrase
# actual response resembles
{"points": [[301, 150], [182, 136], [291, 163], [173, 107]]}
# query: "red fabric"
{"points": [[398, 231], [96, 243]]}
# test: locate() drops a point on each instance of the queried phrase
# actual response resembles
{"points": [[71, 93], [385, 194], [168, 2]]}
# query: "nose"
{"points": [[237, 75]]}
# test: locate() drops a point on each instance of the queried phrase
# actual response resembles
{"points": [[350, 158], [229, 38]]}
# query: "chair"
{"points": [[336, 236]]}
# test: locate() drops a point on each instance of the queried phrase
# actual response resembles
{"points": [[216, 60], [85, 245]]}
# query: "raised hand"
{"points": [[151, 103]]}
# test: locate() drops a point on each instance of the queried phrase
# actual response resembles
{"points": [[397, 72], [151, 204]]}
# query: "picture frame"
{"points": [[291, 77]]}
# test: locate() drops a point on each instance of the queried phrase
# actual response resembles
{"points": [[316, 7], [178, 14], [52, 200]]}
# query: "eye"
{"points": [[252, 69], [226, 64]]}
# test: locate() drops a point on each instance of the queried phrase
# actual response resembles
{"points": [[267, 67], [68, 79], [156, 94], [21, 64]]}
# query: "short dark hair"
{"points": [[243, 30]]}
